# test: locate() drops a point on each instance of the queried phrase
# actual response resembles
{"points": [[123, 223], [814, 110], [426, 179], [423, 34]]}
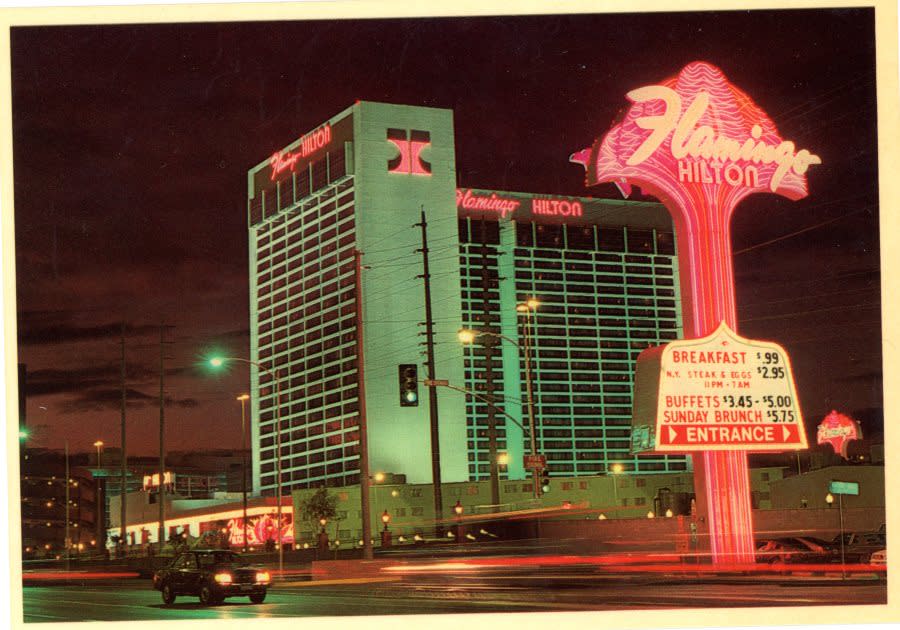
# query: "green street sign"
{"points": [[843, 487]]}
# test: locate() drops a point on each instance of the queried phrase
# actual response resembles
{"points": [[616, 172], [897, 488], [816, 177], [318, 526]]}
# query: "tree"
{"points": [[320, 505]]}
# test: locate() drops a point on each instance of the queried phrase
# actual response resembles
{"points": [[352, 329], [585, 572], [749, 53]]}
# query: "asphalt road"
{"points": [[135, 600]]}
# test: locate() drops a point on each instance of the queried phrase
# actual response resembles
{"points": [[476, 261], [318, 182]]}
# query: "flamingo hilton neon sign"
{"points": [[701, 145]]}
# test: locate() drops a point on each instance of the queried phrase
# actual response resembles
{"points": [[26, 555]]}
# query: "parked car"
{"points": [[212, 575], [879, 557], [859, 546], [795, 550]]}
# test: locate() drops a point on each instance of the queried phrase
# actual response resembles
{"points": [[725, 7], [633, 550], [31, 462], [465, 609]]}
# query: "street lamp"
{"points": [[243, 398], [385, 533], [829, 499], [458, 511], [217, 362], [616, 469], [100, 501], [322, 544], [99, 445], [528, 308], [468, 335]]}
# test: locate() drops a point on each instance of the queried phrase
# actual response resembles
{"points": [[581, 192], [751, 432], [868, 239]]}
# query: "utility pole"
{"points": [[489, 372], [363, 422], [161, 493], [123, 513], [68, 484], [432, 392]]}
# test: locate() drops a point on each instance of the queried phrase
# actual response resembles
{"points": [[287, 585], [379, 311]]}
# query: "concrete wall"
{"points": [[811, 487]]}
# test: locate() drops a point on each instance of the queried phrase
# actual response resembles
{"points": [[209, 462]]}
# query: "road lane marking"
{"points": [[306, 583]]}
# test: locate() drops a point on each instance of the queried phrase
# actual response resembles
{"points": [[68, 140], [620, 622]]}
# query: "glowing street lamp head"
{"points": [[616, 468], [503, 459], [466, 336], [829, 498], [531, 304], [217, 362], [243, 397], [379, 477], [23, 434], [98, 443]]}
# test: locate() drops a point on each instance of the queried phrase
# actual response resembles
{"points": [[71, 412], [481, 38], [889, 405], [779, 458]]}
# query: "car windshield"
{"points": [[221, 557]]}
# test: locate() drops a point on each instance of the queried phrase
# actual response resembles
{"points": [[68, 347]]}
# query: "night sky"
{"points": [[132, 143]]}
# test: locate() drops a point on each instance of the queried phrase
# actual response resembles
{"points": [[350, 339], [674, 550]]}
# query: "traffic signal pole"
{"points": [[432, 393]]}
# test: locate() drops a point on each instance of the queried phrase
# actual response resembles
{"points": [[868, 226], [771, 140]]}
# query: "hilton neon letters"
{"points": [[701, 142], [309, 144]]}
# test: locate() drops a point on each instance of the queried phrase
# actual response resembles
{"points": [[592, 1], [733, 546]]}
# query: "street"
{"points": [[135, 600]]}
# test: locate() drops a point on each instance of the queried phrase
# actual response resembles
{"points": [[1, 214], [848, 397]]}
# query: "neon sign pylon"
{"points": [[701, 145]]}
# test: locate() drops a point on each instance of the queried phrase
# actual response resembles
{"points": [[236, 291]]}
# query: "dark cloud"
{"points": [[57, 381], [101, 399], [30, 334], [871, 376]]}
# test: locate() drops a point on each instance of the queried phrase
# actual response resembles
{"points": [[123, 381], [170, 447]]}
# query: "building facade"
{"points": [[44, 498], [604, 271]]}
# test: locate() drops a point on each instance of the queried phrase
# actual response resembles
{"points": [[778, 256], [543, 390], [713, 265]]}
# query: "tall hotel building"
{"points": [[605, 273]]}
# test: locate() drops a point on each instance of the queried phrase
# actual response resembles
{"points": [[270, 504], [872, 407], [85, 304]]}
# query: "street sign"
{"points": [[437, 382], [843, 487], [538, 462], [720, 392]]}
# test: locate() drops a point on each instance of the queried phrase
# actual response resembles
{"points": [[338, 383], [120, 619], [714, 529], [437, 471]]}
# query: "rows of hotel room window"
{"points": [[559, 403], [307, 319]]}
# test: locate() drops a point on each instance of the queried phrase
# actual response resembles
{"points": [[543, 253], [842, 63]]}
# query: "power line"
{"points": [[797, 232], [812, 311]]}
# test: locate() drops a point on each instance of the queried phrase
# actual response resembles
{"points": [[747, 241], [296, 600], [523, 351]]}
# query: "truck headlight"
{"points": [[223, 578]]}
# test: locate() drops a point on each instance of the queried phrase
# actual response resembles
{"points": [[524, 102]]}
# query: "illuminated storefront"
{"points": [[605, 272], [193, 519]]}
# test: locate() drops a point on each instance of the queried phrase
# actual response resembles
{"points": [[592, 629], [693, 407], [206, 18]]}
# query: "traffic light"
{"points": [[409, 385], [545, 482]]}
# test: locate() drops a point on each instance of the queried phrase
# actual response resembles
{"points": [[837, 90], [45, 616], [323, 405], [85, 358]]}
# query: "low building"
{"points": [[44, 512]]}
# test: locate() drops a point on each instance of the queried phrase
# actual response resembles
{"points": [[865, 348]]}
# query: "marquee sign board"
{"points": [[721, 392]]}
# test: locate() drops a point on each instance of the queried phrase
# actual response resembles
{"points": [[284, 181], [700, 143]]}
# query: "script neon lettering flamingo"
{"points": [[689, 140]]}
